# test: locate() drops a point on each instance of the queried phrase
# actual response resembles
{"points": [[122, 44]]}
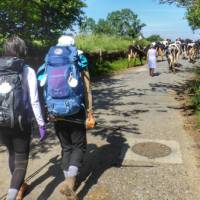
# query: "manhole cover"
{"points": [[151, 150]]}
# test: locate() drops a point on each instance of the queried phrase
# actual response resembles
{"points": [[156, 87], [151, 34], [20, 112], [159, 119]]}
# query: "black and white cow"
{"points": [[173, 53], [135, 51]]}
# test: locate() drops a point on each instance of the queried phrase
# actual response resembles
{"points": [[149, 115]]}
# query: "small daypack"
{"points": [[12, 112], [63, 91]]}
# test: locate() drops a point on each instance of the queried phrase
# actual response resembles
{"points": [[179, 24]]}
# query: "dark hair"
{"points": [[15, 47]]}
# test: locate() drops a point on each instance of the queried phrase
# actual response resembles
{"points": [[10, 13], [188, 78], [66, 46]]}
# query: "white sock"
{"points": [[65, 173], [72, 171], [12, 193]]}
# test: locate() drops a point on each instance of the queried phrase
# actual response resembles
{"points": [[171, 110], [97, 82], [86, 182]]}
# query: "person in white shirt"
{"points": [[151, 57]]}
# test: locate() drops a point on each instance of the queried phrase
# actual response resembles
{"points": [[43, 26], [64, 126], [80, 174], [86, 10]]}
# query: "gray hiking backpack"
{"points": [[11, 93]]}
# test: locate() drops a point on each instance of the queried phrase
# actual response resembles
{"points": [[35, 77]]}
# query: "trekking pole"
{"points": [[35, 173], [41, 168], [75, 121], [97, 124]]}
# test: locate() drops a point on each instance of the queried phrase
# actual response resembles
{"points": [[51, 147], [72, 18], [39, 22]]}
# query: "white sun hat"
{"points": [[65, 40], [80, 52]]}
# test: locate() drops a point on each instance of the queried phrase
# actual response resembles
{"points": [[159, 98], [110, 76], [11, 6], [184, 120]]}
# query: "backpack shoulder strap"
{"points": [[83, 62], [41, 72]]}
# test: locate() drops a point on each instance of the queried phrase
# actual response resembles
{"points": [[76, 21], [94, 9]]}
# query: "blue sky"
{"points": [[166, 20]]}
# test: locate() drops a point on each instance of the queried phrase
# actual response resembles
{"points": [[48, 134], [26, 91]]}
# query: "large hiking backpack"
{"points": [[64, 87], [12, 112]]}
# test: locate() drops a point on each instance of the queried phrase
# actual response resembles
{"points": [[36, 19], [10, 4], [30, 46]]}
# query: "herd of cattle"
{"points": [[187, 49]]}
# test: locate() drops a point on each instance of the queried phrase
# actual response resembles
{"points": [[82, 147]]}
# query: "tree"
{"points": [[87, 25], [124, 23], [178, 2], [154, 38], [38, 19], [193, 11], [193, 15], [103, 27]]}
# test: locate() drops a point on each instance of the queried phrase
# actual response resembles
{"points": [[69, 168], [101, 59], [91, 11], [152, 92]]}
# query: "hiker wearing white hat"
{"points": [[66, 40], [70, 127]]}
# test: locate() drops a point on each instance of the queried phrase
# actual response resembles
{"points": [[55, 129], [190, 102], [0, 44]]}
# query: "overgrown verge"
{"points": [[107, 67], [93, 43], [106, 54], [194, 92]]}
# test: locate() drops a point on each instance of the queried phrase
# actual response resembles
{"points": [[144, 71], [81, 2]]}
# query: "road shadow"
{"points": [[178, 88], [156, 74], [54, 170], [99, 159], [107, 96], [38, 149]]}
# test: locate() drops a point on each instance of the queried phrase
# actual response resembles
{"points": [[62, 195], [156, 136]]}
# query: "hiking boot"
{"points": [[22, 191], [67, 188]]}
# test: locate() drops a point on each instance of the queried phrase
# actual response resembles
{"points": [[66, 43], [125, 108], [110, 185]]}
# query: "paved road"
{"points": [[133, 110]]}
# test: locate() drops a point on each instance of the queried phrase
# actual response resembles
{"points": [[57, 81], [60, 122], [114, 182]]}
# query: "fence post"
{"points": [[100, 55]]}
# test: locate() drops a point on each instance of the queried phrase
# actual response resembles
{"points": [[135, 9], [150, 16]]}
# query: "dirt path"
{"points": [[139, 149]]}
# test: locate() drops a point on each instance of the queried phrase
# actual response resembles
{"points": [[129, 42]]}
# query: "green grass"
{"points": [[92, 43], [122, 64], [110, 67], [198, 118], [194, 91], [142, 43]]}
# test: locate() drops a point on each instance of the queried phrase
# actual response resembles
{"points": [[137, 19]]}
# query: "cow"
{"points": [[135, 51], [184, 50], [172, 55], [160, 48], [193, 50]]}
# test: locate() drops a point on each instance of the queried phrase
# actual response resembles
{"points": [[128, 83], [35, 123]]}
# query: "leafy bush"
{"points": [[154, 38], [195, 90], [142, 42]]}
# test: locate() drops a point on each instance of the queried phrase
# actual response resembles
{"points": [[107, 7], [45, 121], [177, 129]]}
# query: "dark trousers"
{"points": [[17, 143], [72, 137]]}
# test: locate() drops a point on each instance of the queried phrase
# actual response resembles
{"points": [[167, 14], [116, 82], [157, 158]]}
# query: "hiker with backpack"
{"points": [[83, 68], [65, 103], [18, 101]]}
